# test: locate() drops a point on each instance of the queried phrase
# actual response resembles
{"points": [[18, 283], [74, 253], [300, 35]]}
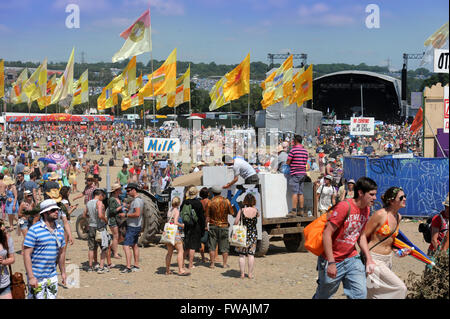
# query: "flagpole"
{"points": [[248, 110], [231, 116]]}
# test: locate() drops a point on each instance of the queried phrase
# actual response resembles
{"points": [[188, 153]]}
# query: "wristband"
{"points": [[331, 262]]}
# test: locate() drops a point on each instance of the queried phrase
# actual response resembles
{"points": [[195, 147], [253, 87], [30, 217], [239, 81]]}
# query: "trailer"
{"points": [[273, 201]]}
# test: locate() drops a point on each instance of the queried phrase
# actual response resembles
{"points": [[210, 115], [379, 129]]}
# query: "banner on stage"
{"points": [[441, 61], [362, 126], [161, 145]]}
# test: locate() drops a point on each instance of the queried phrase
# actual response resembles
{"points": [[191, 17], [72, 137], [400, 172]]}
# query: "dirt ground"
{"points": [[278, 275]]}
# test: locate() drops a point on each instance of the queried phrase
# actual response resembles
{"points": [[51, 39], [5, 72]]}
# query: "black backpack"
{"points": [[425, 229]]}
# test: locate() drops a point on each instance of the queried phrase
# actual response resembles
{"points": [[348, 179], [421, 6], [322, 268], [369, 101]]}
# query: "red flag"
{"points": [[417, 123]]}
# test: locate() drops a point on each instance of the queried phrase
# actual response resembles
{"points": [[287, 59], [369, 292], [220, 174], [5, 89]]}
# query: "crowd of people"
{"points": [[35, 199]]}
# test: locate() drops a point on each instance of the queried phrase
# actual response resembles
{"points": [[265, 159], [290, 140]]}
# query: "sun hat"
{"points": [[351, 181], [7, 180], [115, 187], [48, 205], [26, 170], [27, 193], [216, 189], [192, 193], [89, 176], [446, 201], [54, 194], [201, 163]]}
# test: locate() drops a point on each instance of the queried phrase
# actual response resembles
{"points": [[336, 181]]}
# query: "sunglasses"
{"points": [[402, 197], [53, 210]]}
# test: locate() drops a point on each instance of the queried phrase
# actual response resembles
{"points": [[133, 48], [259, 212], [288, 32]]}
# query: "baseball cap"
{"points": [[329, 177], [132, 186], [351, 181]]}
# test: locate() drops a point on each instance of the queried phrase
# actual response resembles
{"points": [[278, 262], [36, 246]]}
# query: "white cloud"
{"points": [[322, 14], [164, 7]]}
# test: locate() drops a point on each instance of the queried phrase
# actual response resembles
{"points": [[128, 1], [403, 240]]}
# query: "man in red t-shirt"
{"points": [[439, 228], [340, 261]]}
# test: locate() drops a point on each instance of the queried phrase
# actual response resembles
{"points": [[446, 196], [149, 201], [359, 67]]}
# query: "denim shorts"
{"points": [[296, 183], [131, 236], [351, 272], [6, 290]]}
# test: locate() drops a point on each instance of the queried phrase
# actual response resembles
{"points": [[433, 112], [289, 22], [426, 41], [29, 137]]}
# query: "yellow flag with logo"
{"points": [[164, 79], [216, 95], [17, 94], [45, 101], [36, 85], [304, 86], [81, 89], [238, 81], [181, 95], [135, 99], [108, 98], [278, 85]]}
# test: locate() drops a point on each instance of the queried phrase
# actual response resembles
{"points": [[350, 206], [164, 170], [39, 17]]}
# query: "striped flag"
{"points": [[163, 80], [278, 85], [81, 89]]}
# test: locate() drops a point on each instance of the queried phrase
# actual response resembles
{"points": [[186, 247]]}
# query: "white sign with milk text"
{"points": [[446, 109], [161, 145], [362, 126]]}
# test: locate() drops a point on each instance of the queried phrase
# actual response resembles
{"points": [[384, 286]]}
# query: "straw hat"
{"points": [[7, 180], [26, 170], [53, 176], [89, 176], [192, 193], [216, 190], [54, 194], [115, 187]]}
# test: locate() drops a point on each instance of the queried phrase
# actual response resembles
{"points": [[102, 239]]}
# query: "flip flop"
{"points": [[184, 274]]}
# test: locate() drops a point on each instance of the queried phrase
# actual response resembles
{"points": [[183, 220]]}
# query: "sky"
{"points": [[223, 31]]}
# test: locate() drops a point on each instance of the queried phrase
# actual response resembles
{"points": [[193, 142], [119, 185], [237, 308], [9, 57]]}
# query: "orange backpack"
{"points": [[314, 231]]}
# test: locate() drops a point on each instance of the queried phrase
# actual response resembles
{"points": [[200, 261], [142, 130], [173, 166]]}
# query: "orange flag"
{"points": [[417, 123]]}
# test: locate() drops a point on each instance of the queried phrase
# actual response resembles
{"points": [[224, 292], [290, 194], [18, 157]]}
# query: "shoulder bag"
{"points": [[313, 233], [169, 233], [238, 234], [18, 286]]}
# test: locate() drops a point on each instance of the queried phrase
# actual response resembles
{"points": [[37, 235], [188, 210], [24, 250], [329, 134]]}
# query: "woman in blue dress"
{"points": [[11, 206]]}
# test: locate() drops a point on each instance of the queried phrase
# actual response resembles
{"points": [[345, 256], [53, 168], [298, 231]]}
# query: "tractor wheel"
{"points": [[152, 222], [82, 227], [294, 242], [262, 246]]}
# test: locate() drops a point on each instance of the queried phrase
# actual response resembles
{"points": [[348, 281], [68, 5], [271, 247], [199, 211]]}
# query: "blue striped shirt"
{"points": [[45, 249]]}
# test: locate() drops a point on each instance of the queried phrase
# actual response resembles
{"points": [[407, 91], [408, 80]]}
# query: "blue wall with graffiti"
{"points": [[424, 180]]}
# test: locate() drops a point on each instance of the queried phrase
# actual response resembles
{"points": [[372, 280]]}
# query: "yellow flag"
{"points": [[45, 100], [238, 81], [81, 89], [292, 97], [182, 93], [304, 86], [278, 85], [36, 85], [108, 98], [134, 99], [2, 78], [65, 84], [17, 93], [216, 95], [163, 80], [129, 78]]}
